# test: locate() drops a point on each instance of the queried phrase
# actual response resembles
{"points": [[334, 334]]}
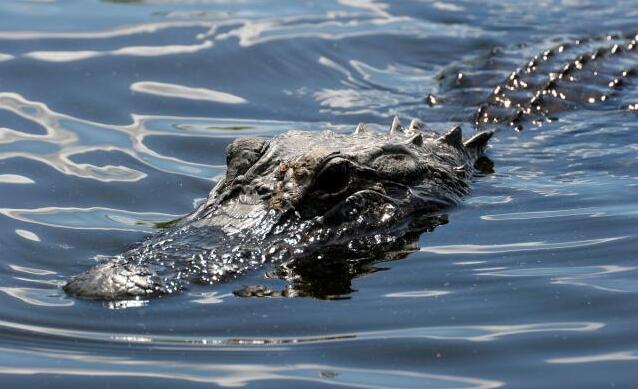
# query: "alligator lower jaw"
{"points": [[115, 280]]}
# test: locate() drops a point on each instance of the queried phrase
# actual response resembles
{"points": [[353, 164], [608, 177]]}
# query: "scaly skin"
{"points": [[301, 195]]}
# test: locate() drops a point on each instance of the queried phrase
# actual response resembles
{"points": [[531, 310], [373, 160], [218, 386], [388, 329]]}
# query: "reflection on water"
{"points": [[73, 138], [15, 179], [514, 247], [179, 91], [419, 293], [620, 356], [603, 277], [234, 375], [88, 218], [114, 118], [28, 235], [40, 297], [484, 333], [144, 51]]}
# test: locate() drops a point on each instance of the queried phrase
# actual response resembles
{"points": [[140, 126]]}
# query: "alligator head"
{"points": [[301, 195]]}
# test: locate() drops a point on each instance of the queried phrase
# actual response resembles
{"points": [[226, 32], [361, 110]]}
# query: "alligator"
{"points": [[320, 201], [306, 195], [581, 73]]}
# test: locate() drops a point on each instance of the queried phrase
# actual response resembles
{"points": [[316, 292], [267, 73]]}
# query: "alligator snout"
{"points": [[115, 280]]}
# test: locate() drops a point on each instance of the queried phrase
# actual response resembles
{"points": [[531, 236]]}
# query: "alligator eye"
{"points": [[334, 178]]}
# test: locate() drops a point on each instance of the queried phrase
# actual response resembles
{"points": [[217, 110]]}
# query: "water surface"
{"points": [[114, 116]]}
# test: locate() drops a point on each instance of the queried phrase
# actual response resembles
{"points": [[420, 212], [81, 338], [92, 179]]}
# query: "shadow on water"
{"points": [[330, 274]]}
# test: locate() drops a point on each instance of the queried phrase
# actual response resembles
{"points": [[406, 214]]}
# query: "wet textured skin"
{"points": [[308, 201]]}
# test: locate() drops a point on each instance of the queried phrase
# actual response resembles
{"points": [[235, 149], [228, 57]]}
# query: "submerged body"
{"points": [[302, 196]]}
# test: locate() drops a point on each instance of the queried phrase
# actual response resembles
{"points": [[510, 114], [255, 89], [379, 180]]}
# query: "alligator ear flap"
{"points": [[478, 142], [361, 129], [454, 137], [416, 140], [396, 127]]}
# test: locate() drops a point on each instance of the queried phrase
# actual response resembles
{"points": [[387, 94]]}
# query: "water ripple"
{"points": [[144, 28], [184, 92], [228, 374], [266, 30], [38, 297], [15, 179], [607, 357], [591, 212], [515, 247], [478, 333], [597, 277], [419, 293], [74, 136], [32, 271], [94, 218], [139, 51], [29, 235]]}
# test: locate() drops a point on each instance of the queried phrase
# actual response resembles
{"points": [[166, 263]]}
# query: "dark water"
{"points": [[114, 116]]}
